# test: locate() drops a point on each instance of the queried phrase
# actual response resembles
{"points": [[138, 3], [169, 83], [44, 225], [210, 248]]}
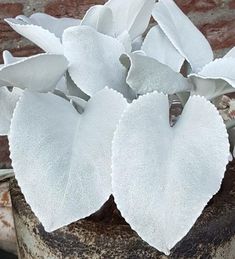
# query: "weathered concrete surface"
{"points": [[106, 234], [7, 230]]}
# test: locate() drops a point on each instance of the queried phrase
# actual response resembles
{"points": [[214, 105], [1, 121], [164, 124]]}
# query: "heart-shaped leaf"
{"points": [[100, 18], [39, 73], [182, 33], [146, 75], [131, 15], [8, 102], [164, 176], [94, 60], [62, 159], [158, 46]]}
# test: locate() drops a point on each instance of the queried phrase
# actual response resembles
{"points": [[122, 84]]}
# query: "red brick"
{"points": [[10, 10], [5, 161], [197, 5], [6, 32], [70, 8], [23, 51], [232, 4], [220, 34], [26, 51]]}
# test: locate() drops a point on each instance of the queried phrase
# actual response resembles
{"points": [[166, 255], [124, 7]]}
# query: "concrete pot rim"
{"points": [[105, 234]]}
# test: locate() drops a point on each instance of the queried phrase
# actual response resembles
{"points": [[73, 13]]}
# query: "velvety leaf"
{"points": [[62, 85], [125, 39], [8, 102], [43, 38], [219, 69], [209, 88], [164, 176], [39, 73], [137, 43], [94, 60], [131, 15], [182, 33], [53, 24], [78, 103], [73, 90], [8, 58], [216, 78], [62, 159], [100, 18], [230, 54], [147, 74], [158, 46]]}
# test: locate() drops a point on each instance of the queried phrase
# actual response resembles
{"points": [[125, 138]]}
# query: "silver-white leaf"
{"points": [[39, 73], [100, 18], [43, 38], [216, 78], [94, 60], [158, 46], [8, 100], [147, 75], [62, 159], [164, 176], [183, 34], [131, 15]]}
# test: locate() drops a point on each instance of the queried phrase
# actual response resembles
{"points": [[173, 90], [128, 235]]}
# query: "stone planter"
{"points": [[105, 234], [7, 230]]}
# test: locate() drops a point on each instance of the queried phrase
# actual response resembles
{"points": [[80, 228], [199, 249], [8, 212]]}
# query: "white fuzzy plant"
{"points": [[90, 117]]}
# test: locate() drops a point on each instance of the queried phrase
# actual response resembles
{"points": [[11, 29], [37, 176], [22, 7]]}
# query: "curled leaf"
{"points": [[43, 30], [100, 18], [147, 75], [38, 73], [215, 79], [94, 60], [222, 68], [183, 34], [159, 47], [131, 15], [50, 23], [38, 35]]}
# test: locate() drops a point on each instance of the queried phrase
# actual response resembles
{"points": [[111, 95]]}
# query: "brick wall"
{"points": [[215, 18]]}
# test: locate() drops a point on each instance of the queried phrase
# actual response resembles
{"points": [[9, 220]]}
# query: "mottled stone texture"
{"points": [[7, 229], [106, 235]]}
